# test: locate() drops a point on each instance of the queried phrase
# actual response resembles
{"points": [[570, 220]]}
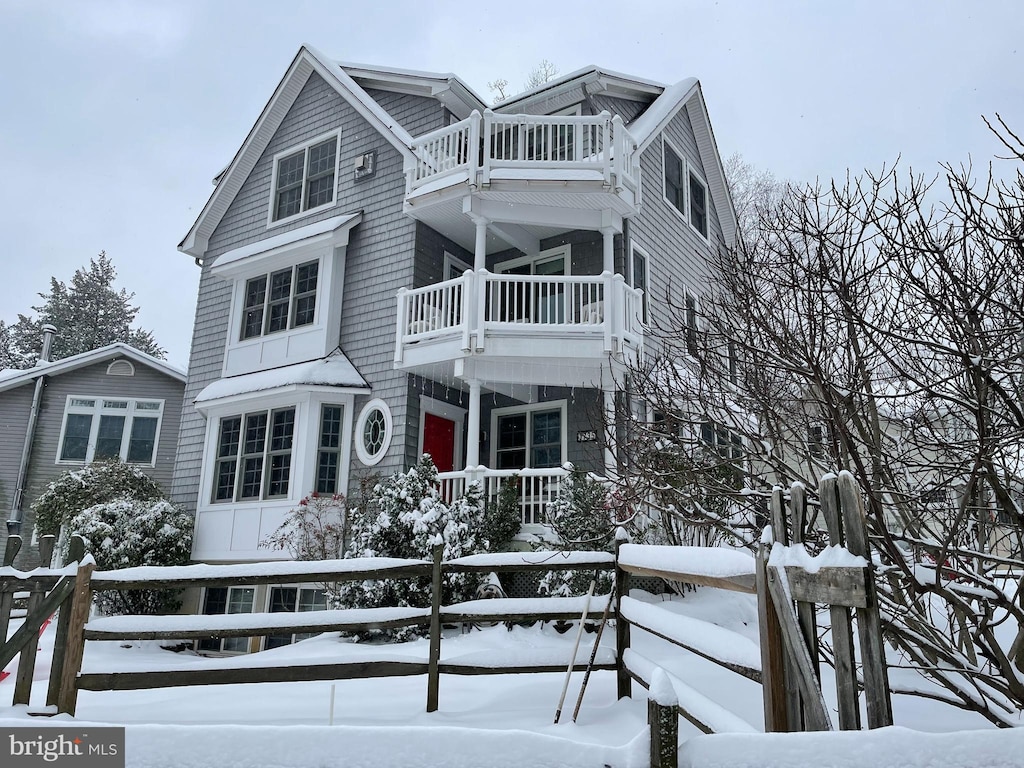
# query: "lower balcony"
{"points": [[537, 488], [520, 329]]}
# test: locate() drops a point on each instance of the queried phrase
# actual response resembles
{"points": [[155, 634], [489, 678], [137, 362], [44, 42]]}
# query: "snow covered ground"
{"points": [[486, 720]]}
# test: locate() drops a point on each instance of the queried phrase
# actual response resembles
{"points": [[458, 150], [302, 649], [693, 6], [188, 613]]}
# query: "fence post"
{"points": [[869, 625], [773, 676], [76, 551], [435, 631], [7, 597], [624, 682], [11, 550], [663, 719], [27, 660], [81, 603]]}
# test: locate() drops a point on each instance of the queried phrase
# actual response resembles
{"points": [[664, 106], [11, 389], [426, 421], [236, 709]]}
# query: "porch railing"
{"points": [[482, 144], [476, 302], [537, 488]]}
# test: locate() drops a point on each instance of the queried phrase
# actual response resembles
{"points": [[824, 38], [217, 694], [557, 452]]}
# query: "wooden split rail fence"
{"points": [[786, 662]]}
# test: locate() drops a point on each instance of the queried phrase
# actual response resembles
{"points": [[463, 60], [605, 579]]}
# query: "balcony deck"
{"points": [[525, 169], [521, 329]]}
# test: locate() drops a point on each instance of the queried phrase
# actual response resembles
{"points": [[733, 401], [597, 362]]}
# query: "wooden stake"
{"points": [[575, 649], [433, 674]]}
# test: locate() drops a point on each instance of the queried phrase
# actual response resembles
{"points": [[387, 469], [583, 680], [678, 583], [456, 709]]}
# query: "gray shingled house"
{"points": [[390, 267], [111, 402]]}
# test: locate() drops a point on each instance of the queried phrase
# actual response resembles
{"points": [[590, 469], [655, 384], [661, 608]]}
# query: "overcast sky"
{"points": [[116, 115]]}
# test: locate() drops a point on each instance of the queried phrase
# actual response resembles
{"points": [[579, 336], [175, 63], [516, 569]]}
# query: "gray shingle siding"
{"points": [[417, 114], [91, 380], [15, 405]]}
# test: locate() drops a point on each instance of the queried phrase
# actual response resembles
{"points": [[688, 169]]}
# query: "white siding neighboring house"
{"points": [[389, 267]]}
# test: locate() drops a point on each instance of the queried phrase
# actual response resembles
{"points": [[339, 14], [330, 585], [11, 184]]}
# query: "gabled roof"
{"points": [[10, 379], [446, 87], [687, 94], [593, 79], [306, 61]]}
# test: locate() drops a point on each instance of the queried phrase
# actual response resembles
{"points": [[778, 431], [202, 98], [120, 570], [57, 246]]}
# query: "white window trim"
{"points": [[548, 255], [451, 260], [634, 247], [690, 171], [97, 411], [445, 411], [666, 142], [271, 222], [365, 457], [545, 406]]}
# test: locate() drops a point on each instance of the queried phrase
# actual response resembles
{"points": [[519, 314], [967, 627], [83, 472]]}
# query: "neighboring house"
{"points": [[390, 268], [111, 402]]}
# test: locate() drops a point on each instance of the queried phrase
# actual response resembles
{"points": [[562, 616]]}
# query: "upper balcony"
{"points": [[545, 171], [520, 329]]}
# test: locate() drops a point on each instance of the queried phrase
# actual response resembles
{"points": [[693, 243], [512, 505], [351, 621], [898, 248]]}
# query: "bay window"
{"points": [[254, 454]]}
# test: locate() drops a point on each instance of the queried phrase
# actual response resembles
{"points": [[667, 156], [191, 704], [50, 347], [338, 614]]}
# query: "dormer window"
{"points": [[283, 299], [304, 178]]}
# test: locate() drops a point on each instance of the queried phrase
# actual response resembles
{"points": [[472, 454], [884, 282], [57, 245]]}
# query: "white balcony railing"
{"points": [[537, 488], [481, 145], [600, 306]]}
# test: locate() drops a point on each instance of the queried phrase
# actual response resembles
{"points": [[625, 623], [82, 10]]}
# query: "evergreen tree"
{"points": [[88, 314], [8, 357]]}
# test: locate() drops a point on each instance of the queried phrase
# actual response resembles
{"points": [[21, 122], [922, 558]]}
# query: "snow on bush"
{"points": [[125, 533], [404, 516]]}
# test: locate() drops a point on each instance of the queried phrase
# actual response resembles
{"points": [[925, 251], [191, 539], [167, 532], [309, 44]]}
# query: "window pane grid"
{"points": [[256, 455], [305, 179], [281, 300], [329, 454], [98, 429]]}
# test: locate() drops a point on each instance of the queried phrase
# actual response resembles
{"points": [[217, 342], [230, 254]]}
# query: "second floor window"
{"points": [[279, 301], [698, 206], [98, 428], [675, 191], [304, 179], [254, 455]]}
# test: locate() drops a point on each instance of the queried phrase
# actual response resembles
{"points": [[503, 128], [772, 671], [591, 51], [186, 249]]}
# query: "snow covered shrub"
{"points": [[79, 489], [405, 517], [125, 533], [582, 518], [503, 517]]}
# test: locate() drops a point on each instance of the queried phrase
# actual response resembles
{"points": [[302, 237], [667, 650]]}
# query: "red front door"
{"points": [[439, 441]]}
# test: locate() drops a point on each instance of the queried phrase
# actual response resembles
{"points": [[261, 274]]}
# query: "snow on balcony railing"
{"points": [[537, 488], [599, 305], [479, 145]]}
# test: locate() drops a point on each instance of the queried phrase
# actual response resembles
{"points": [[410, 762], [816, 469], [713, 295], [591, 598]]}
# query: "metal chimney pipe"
{"points": [[49, 331]]}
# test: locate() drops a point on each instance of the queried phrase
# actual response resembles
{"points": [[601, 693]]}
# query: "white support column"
{"points": [[610, 464], [609, 250], [473, 427], [480, 247]]}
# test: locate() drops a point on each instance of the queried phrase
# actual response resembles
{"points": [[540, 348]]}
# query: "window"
{"points": [[117, 428], [294, 600], [280, 300], [221, 600], [638, 276], [373, 432], [254, 455], [675, 191], [454, 267], [816, 441], [304, 178], [698, 206], [328, 460], [529, 437], [690, 323], [721, 440]]}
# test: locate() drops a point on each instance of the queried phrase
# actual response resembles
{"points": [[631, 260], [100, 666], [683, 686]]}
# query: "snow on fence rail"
{"points": [[70, 678]]}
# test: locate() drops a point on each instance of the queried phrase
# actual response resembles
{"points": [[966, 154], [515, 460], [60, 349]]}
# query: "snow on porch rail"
{"points": [[479, 145], [598, 306]]}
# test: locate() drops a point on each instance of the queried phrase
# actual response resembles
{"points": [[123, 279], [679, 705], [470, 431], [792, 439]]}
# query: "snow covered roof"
{"points": [[609, 78], [11, 378], [447, 87], [333, 371], [289, 238], [307, 61]]}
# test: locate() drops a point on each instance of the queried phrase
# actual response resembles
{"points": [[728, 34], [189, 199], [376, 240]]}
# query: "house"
{"points": [[111, 402], [390, 267]]}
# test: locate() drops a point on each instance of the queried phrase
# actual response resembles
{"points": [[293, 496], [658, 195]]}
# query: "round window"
{"points": [[373, 432]]}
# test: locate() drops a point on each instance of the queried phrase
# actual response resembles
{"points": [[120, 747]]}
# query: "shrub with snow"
{"points": [[78, 489], [405, 516], [125, 533]]}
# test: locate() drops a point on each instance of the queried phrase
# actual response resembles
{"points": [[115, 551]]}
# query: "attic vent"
{"points": [[120, 368]]}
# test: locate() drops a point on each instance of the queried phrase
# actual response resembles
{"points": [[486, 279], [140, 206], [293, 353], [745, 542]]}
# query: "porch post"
{"points": [[609, 250], [610, 435], [480, 247], [473, 427]]}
